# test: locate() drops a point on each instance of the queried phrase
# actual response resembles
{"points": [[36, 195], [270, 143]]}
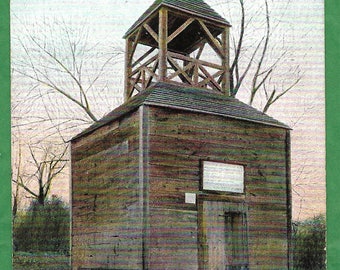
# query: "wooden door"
{"points": [[223, 232]]}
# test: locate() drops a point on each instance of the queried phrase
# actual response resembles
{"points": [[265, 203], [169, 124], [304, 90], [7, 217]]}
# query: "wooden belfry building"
{"points": [[181, 176]]}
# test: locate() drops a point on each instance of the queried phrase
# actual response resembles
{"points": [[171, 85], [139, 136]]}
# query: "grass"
{"points": [[41, 261]]}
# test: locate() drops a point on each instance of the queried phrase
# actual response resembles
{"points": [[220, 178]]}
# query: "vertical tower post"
{"points": [[163, 43], [128, 68], [225, 61]]}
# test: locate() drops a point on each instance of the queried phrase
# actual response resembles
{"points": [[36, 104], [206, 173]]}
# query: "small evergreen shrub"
{"points": [[43, 227], [310, 244]]}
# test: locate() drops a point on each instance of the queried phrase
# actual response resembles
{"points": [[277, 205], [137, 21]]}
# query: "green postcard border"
{"points": [[332, 25], [332, 29], [5, 142]]}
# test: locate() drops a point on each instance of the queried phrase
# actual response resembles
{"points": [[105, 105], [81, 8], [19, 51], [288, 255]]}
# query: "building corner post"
{"points": [[289, 202]]}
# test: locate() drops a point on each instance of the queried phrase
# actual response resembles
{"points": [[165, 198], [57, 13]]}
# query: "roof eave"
{"points": [[279, 125], [99, 124], [158, 104], [131, 30]]}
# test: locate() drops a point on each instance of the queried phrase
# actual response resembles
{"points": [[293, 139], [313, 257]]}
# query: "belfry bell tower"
{"points": [[181, 42], [181, 175]]}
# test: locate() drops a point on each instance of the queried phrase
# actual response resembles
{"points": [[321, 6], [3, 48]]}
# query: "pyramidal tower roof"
{"points": [[194, 7]]}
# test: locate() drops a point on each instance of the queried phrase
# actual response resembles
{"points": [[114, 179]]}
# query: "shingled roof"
{"points": [[194, 7], [188, 99]]}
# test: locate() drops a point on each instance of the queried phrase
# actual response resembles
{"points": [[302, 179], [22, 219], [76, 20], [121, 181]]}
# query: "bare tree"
{"points": [[16, 177], [260, 73], [59, 85], [18, 166], [66, 73], [47, 166]]}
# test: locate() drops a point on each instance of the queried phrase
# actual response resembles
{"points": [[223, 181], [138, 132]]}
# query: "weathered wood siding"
{"points": [[129, 180], [106, 205], [178, 140], [173, 239]]}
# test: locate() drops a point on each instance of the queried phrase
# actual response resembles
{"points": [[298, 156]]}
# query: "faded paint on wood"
{"points": [[130, 191], [224, 235], [144, 185], [106, 211], [173, 239], [180, 140], [107, 136]]}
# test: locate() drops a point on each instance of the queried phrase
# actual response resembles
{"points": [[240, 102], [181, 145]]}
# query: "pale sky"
{"points": [[298, 25]]}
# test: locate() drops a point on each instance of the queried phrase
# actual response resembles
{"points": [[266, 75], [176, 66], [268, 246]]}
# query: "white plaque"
{"points": [[223, 177], [190, 198]]}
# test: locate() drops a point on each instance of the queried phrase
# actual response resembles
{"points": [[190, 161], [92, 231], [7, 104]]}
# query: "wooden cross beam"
{"points": [[211, 40], [140, 59], [151, 32], [153, 70], [190, 59], [131, 82], [134, 45], [211, 78], [180, 70], [182, 74], [148, 62], [180, 29]]}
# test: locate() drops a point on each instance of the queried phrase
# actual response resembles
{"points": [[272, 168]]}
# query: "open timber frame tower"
{"points": [[176, 39]]}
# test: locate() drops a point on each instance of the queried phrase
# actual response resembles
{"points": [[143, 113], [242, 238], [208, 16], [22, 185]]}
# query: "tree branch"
{"points": [[234, 65], [272, 99], [255, 86]]}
